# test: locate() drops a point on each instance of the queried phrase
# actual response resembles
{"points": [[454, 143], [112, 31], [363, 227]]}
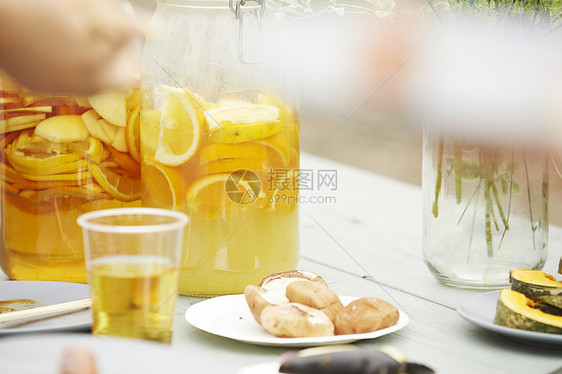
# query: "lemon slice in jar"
{"points": [[132, 133], [218, 194], [286, 115], [164, 186], [122, 187], [180, 129], [243, 123]]}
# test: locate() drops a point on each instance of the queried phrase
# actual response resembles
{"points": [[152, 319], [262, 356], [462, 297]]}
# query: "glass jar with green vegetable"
{"points": [[485, 210]]}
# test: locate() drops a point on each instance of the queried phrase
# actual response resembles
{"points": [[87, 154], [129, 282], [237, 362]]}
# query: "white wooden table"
{"points": [[374, 230], [376, 222]]}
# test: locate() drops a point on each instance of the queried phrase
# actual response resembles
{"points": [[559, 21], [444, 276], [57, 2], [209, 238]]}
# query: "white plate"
{"points": [[42, 354], [230, 317], [481, 310], [46, 293]]}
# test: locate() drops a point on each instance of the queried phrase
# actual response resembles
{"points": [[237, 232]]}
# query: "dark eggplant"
{"points": [[361, 361]]}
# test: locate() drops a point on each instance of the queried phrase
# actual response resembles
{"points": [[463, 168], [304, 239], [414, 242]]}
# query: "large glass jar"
{"points": [[61, 157], [484, 208], [220, 141]]}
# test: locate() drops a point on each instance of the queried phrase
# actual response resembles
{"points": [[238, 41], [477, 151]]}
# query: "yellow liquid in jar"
{"points": [[238, 251], [229, 243], [45, 246], [134, 296], [45, 185]]}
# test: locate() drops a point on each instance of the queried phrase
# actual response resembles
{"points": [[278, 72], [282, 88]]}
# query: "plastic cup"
{"points": [[132, 259]]}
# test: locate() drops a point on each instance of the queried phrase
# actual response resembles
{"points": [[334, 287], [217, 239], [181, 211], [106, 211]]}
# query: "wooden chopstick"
{"points": [[46, 310]]}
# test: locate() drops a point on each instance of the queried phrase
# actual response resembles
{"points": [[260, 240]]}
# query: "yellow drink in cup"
{"points": [[132, 257], [232, 167], [131, 296]]}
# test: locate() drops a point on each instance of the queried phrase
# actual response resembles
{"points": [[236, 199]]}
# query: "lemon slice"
{"points": [[133, 134], [243, 123], [9, 174], [61, 198], [278, 150], [180, 128], [199, 101], [34, 185], [149, 132], [125, 161], [163, 187], [31, 164], [7, 139], [5, 186], [85, 194], [221, 151], [230, 165], [79, 177], [121, 187], [286, 115], [90, 149], [208, 195], [95, 149]]}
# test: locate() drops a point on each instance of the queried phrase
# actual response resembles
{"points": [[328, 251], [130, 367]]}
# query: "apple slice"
{"points": [[91, 118], [10, 102], [9, 99], [82, 101], [4, 93], [20, 123], [64, 110], [109, 129], [133, 99], [111, 106], [120, 140], [63, 129], [37, 109], [31, 100], [20, 126], [8, 115]]}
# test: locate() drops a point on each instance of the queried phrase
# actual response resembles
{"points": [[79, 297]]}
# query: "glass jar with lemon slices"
{"points": [[61, 157], [220, 141]]}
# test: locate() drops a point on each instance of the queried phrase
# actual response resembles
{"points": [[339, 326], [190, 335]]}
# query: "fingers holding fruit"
{"points": [[78, 360], [81, 50]]}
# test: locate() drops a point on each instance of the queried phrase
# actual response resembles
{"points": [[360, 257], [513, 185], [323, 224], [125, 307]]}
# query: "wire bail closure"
{"points": [[239, 15]]}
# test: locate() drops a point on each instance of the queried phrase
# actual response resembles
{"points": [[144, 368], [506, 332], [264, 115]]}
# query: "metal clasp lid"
{"points": [[239, 15]]}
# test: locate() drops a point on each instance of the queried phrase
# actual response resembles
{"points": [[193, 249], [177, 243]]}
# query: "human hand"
{"points": [[78, 360], [67, 46]]}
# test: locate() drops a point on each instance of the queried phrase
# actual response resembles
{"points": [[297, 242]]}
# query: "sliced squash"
{"points": [[517, 311], [537, 286], [549, 309]]}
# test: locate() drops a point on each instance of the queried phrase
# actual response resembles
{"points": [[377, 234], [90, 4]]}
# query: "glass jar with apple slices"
{"points": [[61, 156]]}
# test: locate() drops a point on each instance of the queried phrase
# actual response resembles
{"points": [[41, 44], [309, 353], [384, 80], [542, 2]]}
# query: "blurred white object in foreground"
{"points": [[496, 85]]}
